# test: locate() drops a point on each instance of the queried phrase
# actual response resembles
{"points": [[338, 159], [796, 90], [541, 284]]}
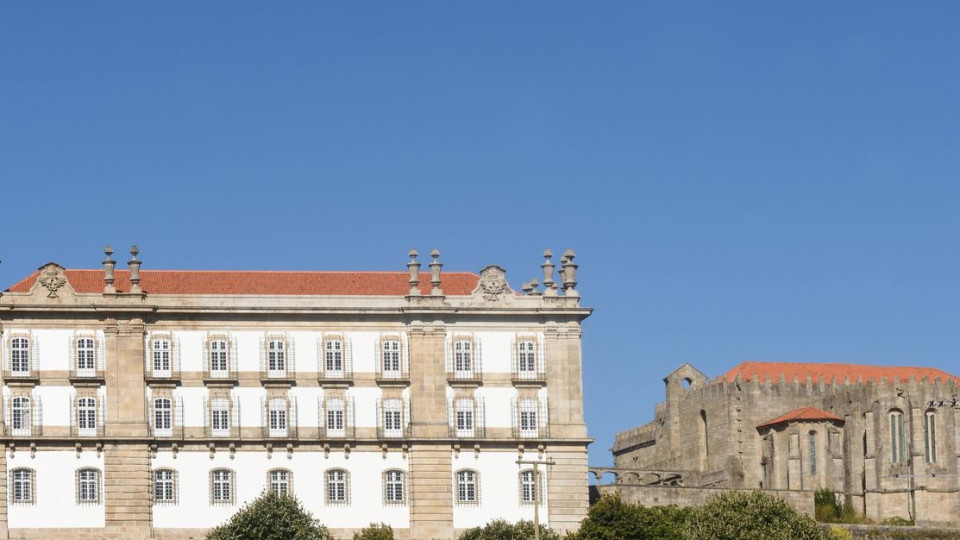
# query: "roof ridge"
{"points": [[402, 272]]}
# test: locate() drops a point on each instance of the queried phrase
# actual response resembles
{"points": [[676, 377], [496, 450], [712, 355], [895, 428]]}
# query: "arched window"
{"points": [[24, 486], [812, 443], [338, 487], [88, 486], [394, 491], [280, 481], [897, 442], [704, 441], [930, 436], [468, 486], [164, 486], [221, 486]]}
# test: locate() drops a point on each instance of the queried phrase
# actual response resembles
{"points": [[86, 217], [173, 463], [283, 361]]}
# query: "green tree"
{"points": [[271, 517], [375, 532], [503, 530], [751, 516], [613, 519]]}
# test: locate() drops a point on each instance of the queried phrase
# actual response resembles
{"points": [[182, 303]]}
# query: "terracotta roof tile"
{"points": [[803, 414], [232, 282], [763, 370]]}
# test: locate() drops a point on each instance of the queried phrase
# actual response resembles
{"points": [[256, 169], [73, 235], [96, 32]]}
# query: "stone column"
{"points": [[565, 382], [128, 510], [126, 392], [567, 489]]}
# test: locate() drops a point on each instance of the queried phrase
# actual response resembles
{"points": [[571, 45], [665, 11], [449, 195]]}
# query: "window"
{"points": [[393, 487], [812, 441], [467, 482], [464, 417], [393, 418], [278, 417], [162, 417], [527, 362], [221, 486], [463, 357], [20, 356], [276, 358], [280, 481], [333, 358], [391, 357], [338, 487], [528, 419], [86, 366], [88, 486], [87, 416], [24, 481], [335, 418], [164, 486], [161, 358], [529, 493], [897, 446], [220, 417], [930, 436], [218, 358], [20, 415]]}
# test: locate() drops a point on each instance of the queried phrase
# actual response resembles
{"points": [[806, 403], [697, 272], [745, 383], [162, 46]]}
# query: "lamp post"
{"points": [[536, 491]]}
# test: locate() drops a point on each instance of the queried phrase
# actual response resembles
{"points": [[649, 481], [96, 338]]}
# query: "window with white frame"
{"points": [[220, 417], [162, 363], [391, 357], [393, 417], [221, 486], [164, 486], [333, 357], [393, 487], [897, 443], [218, 351], [930, 436], [467, 486], [528, 419], [338, 487], [336, 425], [163, 417], [20, 356], [280, 481], [527, 361], [87, 416], [528, 487], [86, 357], [24, 482], [463, 408], [277, 410], [20, 415], [88, 486], [463, 357], [276, 358]]}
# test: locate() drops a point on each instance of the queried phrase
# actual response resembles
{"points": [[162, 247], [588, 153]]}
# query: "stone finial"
{"points": [[108, 265], [134, 264], [569, 274], [435, 266], [530, 287], [414, 267], [549, 286]]}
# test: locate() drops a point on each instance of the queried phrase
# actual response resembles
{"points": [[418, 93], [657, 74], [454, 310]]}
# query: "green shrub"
{"points": [[271, 517], [826, 507], [375, 532], [751, 516], [839, 533], [503, 530], [898, 521], [612, 519]]}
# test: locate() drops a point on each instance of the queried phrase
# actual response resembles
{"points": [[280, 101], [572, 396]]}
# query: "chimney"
{"points": [[414, 268], [569, 274], [435, 266], [108, 265], [549, 286], [134, 270]]}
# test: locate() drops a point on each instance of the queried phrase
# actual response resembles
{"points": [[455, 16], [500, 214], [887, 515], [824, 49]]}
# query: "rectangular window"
{"points": [[464, 417], [930, 436], [164, 491], [337, 487], [336, 426], [278, 417], [528, 419], [333, 358], [163, 417], [812, 439], [87, 416], [467, 487], [463, 358], [391, 358], [161, 358], [393, 418], [393, 487], [20, 356], [86, 357], [221, 486], [88, 486], [23, 481], [527, 361], [218, 358], [276, 358], [220, 417], [280, 482]]}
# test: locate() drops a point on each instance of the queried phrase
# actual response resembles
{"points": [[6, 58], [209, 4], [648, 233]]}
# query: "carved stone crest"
{"points": [[51, 278], [493, 283]]}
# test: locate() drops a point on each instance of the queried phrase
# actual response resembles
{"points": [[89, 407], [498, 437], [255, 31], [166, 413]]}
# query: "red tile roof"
{"points": [[800, 415], [763, 370], [232, 282]]}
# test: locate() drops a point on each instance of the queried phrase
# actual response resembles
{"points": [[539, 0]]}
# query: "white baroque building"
{"points": [[154, 404]]}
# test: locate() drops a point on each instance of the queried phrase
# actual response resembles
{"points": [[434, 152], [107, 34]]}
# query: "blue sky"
{"points": [[753, 180]]}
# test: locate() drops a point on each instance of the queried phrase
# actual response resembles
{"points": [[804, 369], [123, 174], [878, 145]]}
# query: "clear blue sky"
{"points": [[763, 180]]}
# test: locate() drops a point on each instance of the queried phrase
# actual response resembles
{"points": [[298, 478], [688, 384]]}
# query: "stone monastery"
{"points": [[153, 404], [887, 439]]}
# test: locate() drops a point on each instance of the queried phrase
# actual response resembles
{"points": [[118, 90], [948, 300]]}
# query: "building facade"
{"points": [[154, 404], [887, 439]]}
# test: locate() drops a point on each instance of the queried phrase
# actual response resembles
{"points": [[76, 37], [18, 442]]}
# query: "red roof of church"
{"points": [[234, 282], [763, 370], [799, 415]]}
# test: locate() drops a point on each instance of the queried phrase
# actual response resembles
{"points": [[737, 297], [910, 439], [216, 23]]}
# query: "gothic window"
{"points": [[812, 442], [897, 443], [930, 436]]}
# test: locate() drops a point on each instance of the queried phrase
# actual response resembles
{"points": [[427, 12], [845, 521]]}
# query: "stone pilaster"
{"points": [[565, 382], [428, 381], [126, 491], [567, 491], [4, 526], [431, 508], [126, 392]]}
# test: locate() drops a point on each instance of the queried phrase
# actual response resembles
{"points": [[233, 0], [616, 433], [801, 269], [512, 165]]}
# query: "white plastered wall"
{"points": [[499, 489], [56, 489]]}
